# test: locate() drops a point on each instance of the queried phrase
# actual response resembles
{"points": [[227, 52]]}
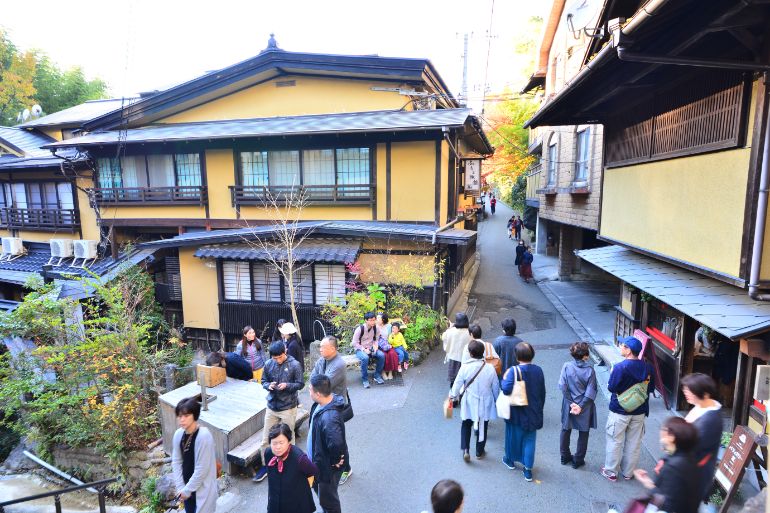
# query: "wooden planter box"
{"points": [[211, 376]]}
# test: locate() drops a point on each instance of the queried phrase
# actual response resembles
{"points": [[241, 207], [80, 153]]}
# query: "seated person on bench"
{"points": [[235, 365], [365, 339]]}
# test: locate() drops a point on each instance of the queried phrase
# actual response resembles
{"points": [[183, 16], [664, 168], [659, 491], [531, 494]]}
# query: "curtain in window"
{"points": [[66, 199], [303, 286], [161, 169], [109, 173], [353, 168], [581, 164], [329, 283], [237, 283], [254, 168], [19, 195], [35, 196], [188, 169], [318, 169], [284, 168], [267, 282]]}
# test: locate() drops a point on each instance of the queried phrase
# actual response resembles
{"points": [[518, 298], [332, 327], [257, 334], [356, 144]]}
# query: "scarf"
{"points": [[275, 460]]}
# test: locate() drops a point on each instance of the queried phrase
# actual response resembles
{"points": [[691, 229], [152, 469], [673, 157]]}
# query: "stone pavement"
{"points": [[400, 444]]}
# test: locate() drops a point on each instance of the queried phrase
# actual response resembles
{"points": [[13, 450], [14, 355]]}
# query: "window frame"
{"points": [[117, 172], [582, 164], [552, 173]]}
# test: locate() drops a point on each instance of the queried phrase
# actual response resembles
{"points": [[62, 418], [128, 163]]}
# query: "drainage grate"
{"points": [[397, 381]]}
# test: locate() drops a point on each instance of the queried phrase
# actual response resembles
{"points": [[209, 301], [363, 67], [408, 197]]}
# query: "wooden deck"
{"points": [[237, 413]]}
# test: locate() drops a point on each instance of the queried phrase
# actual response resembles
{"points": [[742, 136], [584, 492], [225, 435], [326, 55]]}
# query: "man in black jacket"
{"points": [[326, 443], [282, 378]]}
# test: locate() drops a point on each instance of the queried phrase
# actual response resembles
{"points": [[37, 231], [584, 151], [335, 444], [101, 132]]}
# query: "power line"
{"points": [[489, 48]]}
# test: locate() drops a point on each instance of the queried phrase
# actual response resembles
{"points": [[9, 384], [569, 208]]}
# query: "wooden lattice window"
{"points": [[698, 116]]}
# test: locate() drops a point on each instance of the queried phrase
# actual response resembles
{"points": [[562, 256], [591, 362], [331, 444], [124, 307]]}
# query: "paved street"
{"points": [[401, 445]]}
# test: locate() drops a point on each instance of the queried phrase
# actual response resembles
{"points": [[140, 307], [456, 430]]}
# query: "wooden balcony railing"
{"points": [[40, 218], [533, 180], [178, 195], [339, 194]]}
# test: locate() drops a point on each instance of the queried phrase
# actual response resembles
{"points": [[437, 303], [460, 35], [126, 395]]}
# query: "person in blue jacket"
{"points": [[235, 365], [626, 428], [521, 428]]}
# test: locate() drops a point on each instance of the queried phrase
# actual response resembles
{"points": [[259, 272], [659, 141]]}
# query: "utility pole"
{"points": [[464, 91]]}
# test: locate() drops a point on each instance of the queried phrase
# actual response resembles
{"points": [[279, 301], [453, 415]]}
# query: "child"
{"points": [[398, 343]]}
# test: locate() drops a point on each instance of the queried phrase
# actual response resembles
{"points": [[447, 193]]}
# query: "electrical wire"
{"points": [[489, 48]]}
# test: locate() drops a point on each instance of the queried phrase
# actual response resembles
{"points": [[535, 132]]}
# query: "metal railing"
{"points": [[177, 195], [99, 485], [345, 194], [40, 218]]}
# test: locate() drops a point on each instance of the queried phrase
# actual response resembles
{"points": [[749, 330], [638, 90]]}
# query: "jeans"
{"points": [[328, 495], [582, 445], [379, 364], [519, 445], [403, 356], [465, 436], [624, 441]]}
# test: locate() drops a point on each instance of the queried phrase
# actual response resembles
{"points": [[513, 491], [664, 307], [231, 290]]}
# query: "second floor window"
{"points": [[143, 171], [37, 196], [551, 164], [581, 155]]}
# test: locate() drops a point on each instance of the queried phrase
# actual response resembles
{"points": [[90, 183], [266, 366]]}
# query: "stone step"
{"points": [[610, 355]]}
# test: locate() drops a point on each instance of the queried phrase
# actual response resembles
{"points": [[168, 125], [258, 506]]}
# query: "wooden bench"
{"points": [[247, 453]]}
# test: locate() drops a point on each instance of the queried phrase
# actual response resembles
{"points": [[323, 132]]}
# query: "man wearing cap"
{"points": [[626, 428]]}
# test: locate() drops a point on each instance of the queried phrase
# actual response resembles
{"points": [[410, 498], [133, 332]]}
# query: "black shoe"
{"points": [[577, 464], [480, 454], [567, 461], [466, 456]]}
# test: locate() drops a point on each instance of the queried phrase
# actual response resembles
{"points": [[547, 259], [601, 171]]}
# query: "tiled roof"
{"points": [[315, 250], [354, 229], [724, 308], [23, 141], [43, 159], [80, 113], [356, 122]]}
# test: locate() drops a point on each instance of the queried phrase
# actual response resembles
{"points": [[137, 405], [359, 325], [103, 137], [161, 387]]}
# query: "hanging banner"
{"points": [[472, 175]]}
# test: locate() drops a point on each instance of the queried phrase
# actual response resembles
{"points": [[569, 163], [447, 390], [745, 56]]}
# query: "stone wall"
{"points": [[88, 465]]}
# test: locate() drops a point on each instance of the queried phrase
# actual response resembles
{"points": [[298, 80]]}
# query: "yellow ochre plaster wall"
{"points": [[200, 295], [153, 212], [54, 133], [220, 175], [676, 207], [378, 268], [309, 96], [413, 181], [444, 210]]}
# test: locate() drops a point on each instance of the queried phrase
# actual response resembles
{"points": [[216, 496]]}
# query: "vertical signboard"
{"points": [[472, 175]]}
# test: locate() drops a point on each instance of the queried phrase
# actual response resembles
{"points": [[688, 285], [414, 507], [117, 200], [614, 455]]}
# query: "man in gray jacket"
{"points": [[282, 378]]}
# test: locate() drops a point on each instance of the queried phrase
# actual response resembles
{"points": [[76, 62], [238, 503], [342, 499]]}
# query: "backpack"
{"points": [[634, 396]]}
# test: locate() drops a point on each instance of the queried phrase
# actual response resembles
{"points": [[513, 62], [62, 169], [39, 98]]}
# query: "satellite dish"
{"points": [[18, 117], [36, 110], [580, 13], [25, 115]]}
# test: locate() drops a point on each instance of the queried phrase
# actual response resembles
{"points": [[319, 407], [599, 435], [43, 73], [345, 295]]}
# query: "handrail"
{"points": [[57, 493], [331, 193], [177, 194], [31, 218]]}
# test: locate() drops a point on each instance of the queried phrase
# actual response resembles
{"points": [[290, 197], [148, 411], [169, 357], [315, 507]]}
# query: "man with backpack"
{"points": [[630, 383], [365, 339]]}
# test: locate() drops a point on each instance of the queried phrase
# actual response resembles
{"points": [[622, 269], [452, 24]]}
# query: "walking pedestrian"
{"points": [[365, 338], [193, 462], [505, 345], [518, 224], [447, 496], [490, 355], [521, 428], [250, 349], [511, 226], [699, 390], [332, 365], [288, 471], [577, 383], [326, 442], [521, 248], [283, 379], [525, 269], [476, 388], [455, 339], [676, 488], [493, 204], [630, 383], [293, 344]]}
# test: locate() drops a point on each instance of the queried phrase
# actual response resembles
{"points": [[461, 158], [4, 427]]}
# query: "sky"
{"points": [[143, 45]]}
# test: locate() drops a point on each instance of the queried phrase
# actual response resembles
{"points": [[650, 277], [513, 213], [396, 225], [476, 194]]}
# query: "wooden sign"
{"points": [[733, 465]]}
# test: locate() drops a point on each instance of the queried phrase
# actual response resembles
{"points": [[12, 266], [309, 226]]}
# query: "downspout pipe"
{"points": [[761, 219]]}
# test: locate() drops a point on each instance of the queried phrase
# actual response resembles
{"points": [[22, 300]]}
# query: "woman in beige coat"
{"points": [[455, 341]]}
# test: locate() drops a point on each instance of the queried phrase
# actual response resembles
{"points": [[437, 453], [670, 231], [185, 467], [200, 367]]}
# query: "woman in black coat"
{"points": [[698, 390], [676, 488], [520, 249], [288, 473]]}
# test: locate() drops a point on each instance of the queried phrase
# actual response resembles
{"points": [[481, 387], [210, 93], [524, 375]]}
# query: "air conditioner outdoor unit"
{"points": [[85, 249], [12, 248], [61, 249]]}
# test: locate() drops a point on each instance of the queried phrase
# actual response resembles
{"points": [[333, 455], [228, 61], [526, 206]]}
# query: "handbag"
{"points": [[641, 505], [347, 411], [518, 395], [448, 408], [492, 360], [634, 396], [503, 405]]}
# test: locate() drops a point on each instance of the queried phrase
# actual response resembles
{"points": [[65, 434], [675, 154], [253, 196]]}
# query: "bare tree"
{"points": [[280, 246]]}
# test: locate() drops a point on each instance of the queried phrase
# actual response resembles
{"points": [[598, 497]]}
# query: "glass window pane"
{"points": [[552, 164], [267, 283], [235, 275], [19, 195], [109, 173], [188, 169], [329, 283], [254, 168], [581, 164], [5, 195], [161, 170], [353, 169], [49, 193], [35, 196], [303, 286], [318, 167], [284, 168], [66, 200]]}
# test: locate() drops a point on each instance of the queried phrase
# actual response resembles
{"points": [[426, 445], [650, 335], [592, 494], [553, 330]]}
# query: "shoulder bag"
{"points": [[634, 396], [492, 360], [518, 395], [450, 404]]}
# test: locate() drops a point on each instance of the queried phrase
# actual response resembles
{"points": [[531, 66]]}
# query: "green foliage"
{"points": [[726, 437], [153, 500], [90, 382], [27, 78]]}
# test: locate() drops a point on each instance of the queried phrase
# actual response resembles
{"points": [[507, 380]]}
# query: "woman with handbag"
{"points": [[526, 384], [490, 355], [577, 383], [475, 388]]}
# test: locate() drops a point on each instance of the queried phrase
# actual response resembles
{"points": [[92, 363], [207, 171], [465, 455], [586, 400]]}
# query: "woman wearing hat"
{"points": [[293, 345]]}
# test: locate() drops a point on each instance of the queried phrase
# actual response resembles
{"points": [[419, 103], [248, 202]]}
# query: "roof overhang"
{"points": [[724, 308], [308, 250], [686, 30]]}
